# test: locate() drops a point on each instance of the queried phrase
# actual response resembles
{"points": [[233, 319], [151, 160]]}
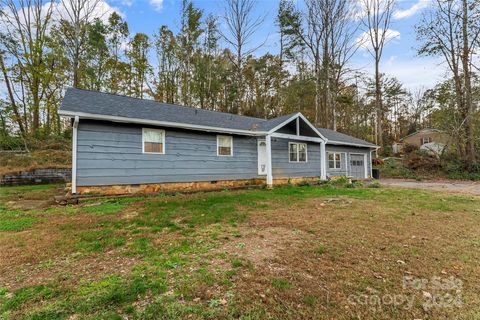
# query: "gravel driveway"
{"points": [[468, 187]]}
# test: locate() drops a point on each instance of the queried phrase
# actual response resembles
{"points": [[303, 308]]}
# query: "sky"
{"points": [[400, 58]]}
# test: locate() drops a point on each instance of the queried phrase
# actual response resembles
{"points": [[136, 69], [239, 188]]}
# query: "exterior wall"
{"points": [[416, 139], [111, 154], [347, 150], [283, 168]]}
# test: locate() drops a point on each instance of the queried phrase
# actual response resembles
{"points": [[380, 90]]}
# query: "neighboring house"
{"points": [[125, 145], [432, 140]]}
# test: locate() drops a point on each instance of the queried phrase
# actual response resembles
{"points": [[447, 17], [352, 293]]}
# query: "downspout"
{"points": [[268, 143], [74, 154]]}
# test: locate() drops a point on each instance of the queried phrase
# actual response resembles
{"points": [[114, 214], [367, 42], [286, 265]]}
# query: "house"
{"points": [[428, 139], [127, 145]]}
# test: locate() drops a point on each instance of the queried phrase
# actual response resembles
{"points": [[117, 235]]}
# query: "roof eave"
{"points": [[353, 144], [293, 117], [92, 116]]}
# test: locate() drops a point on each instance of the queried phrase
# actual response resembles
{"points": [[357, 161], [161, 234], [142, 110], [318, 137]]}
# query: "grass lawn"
{"points": [[288, 253]]}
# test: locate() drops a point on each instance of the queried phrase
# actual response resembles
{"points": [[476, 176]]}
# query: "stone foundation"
{"points": [[186, 186]]}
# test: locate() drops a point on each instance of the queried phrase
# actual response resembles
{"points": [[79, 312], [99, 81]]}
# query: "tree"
{"points": [[166, 82], [76, 15], [377, 17], [118, 34], [187, 42], [138, 60], [241, 24], [24, 37], [451, 31]]}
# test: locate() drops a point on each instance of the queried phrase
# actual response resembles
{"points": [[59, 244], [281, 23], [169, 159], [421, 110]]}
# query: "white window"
{"points": [[153, 141], [297, 152], [224, 145], [426, 140], [334, 160]]}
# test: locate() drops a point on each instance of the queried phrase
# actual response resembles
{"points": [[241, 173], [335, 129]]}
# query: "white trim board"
{"points": [[163, 140], [294, 137], [296, 116], [231, 146], [74, 154], [333, 142], [92, 116]]}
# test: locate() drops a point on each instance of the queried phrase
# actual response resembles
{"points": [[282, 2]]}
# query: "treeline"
{"points": [[47, 46]]}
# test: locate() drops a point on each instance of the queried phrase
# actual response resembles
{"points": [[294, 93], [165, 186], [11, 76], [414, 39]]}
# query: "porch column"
{"points": [[268, 143], [74, 154], [323, 161]]}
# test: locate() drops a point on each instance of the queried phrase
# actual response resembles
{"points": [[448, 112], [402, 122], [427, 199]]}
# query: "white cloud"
{"points": [[406, 13], [157, 5], [364, 42], [413, 72], [59, 10], [97, 10]]}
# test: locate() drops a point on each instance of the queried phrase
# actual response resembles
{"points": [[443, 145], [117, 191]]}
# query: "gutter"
{"points": [[85, 115]]}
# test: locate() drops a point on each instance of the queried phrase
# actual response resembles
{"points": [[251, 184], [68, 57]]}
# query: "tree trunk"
{"points": [[18, 118], [469, 135], [378, 101]]}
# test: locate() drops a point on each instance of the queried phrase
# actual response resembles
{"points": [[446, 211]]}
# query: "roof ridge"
{"points": [[170, 104]]}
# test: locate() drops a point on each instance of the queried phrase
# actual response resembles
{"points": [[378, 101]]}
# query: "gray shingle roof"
{"points": [[79, 100], [105, 104], [335, 136]]}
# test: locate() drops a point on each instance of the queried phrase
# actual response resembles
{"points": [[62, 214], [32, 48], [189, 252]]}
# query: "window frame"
{"points": [[143, 140], [298, 152], [428, 139], [334, 161], [218, 145]]}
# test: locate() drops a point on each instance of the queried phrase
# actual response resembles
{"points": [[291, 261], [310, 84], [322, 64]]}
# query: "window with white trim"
{"points": [[224, 145], [153, 141], [334, 160], [426, 140], [297, 152]]}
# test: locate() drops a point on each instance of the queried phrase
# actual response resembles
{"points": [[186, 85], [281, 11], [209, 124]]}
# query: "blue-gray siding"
{"points": [[346, 151], [282, 168], [111, 153]]}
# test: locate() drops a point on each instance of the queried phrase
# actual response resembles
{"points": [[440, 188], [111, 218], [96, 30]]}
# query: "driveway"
{"points": [[468, 187]]}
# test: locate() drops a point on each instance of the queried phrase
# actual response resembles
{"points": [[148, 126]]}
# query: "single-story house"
{"points": [[428, 139], [125, 145]]}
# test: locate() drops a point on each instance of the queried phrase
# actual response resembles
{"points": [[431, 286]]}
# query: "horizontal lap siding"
{"points": [[110, 154], [347, 150], [282, 168]]}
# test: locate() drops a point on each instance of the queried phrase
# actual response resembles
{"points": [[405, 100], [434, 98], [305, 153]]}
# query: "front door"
{"points": [[357, 165], [262, 157]]}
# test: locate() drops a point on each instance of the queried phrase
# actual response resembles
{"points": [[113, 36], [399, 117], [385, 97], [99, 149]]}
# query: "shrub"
{"points": [[374, 184], [409, 148]]}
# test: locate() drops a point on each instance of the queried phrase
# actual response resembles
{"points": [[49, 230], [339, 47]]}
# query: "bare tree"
{"points": [[377, 18], [242, 24], [326, 29], [341, 46]]}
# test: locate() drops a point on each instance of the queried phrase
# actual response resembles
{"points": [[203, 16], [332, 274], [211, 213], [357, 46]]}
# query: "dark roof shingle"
{"points": [[94, 102], [335, 136]]}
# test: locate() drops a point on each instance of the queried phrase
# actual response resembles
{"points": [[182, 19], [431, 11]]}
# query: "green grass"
{"points": [[281, 284], [174, 241]]}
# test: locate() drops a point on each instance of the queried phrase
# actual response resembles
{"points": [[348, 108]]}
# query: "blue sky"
{"points": [[400, 58]]}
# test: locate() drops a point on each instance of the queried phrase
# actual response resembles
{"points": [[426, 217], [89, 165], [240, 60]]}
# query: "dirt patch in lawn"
{"points": [[263, 245], [319, 259]]}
